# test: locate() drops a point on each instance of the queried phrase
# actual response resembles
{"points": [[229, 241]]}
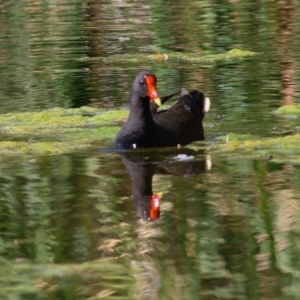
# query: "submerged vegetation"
{"points": [[289, 111], [59, 130], [268, 147], [200, 57]]}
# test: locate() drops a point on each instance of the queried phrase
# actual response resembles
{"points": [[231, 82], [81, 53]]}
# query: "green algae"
{"points": [[196, 57], [61, 130], [58, 130], [278, 148], [289, 111]]}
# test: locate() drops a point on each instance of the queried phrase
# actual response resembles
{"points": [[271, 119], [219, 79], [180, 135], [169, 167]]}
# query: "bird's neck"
{"points": [[142, 183], [140, 108]]}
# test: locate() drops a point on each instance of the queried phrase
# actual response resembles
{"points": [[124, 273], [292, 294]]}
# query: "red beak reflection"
{"points": [[155, 206]]}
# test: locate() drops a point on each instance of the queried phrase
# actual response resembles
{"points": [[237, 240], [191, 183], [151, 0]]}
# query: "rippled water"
{"points": [[228, 227], [76, 226]]}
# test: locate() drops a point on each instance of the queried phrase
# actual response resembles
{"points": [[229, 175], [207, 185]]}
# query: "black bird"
{"points": [[154, 106], [184, 119], [181, 124]]}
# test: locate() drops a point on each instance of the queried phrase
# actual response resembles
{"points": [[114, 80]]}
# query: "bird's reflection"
{"points": [[143, 165]]}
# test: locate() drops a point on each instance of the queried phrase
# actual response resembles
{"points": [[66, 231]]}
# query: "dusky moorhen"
{"points": [[181, 124], [184, 119]]}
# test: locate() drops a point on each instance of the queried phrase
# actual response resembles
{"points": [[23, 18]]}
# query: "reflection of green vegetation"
{"points": [[40, 68], [105, 279], [42, 228]]}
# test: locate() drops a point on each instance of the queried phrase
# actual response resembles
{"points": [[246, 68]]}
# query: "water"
{"points": [[77, 226], [227, 227]]}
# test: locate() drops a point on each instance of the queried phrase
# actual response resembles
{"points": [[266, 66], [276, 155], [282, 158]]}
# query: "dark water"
{"points": [[77, 226]]}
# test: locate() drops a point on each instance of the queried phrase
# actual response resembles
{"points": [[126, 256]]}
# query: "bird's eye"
{"points": [[141, 81]]}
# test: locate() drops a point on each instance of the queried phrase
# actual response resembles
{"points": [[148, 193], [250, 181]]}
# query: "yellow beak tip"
{"points": [[157, 101]]}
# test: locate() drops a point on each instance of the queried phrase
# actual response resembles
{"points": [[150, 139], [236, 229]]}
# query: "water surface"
{"points": [[78, 226]]}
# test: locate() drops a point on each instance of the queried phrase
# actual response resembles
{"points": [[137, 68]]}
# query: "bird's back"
{"points": [[183, 120]]}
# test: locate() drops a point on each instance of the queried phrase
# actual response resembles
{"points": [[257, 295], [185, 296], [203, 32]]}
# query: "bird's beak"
{"points": [[155, 206], [157, 101], [152, 91]]}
